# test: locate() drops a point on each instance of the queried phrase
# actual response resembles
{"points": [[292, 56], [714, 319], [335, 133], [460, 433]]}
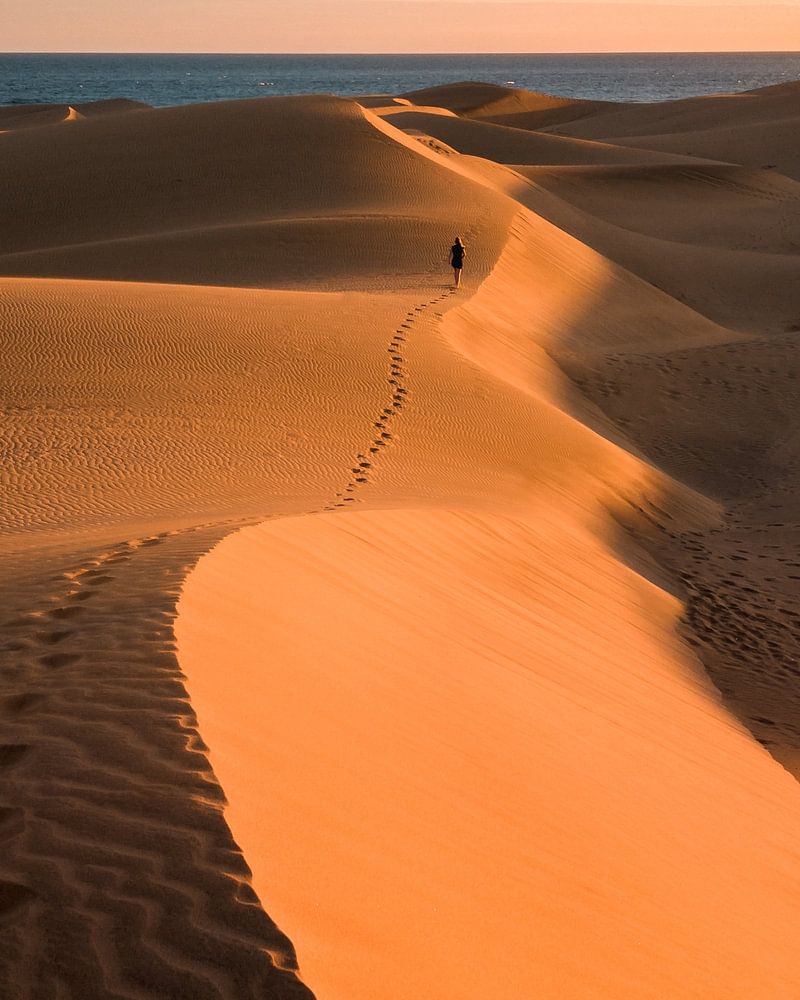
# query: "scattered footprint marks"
{"points": [[55, 660], [158, 540], [53, 638], [12, 753], [16, 704], [64, 612], [12, 822], [13, 896]]}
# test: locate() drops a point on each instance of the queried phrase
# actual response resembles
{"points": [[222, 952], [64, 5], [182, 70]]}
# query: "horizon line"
{"points": [[593, 52]]}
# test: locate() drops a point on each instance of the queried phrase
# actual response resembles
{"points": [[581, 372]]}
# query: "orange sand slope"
{"points": [[436, 626]]}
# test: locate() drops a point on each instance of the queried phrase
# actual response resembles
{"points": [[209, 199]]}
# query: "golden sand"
{"points": [[366, 639]]}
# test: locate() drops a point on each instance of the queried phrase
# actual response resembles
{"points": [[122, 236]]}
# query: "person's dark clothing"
{"points": [[457, 252]]}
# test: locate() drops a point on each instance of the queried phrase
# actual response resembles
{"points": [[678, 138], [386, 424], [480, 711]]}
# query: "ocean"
{"points": [[179, 79]]}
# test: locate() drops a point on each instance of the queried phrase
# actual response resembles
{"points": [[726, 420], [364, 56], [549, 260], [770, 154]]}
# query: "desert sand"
{"points": [[368, 640]]}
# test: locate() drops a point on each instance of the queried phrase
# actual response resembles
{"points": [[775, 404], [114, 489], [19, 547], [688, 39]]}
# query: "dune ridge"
{"points": [[359, 635], [16, 117]]}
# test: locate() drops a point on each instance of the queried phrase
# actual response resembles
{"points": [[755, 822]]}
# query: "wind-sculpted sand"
{"points": [[366, 639]]}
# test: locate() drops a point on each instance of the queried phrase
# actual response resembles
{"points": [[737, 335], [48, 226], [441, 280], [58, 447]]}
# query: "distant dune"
{"points": [[372, 640], [25, 116]]}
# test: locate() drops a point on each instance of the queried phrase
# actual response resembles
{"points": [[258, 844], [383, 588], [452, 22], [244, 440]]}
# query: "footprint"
{"points": [[16, 647], [13, 896], [12, 822], [97, 580], [16, 704], [12, 753], [151, 541], [59, 659], [22, 622], [60, 613], [51, 638]]}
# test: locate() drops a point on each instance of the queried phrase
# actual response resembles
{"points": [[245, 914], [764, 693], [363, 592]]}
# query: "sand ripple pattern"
{"points": [[116, 855]]}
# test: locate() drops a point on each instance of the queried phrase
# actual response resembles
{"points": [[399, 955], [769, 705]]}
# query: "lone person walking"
{"points": [[457, 252]]}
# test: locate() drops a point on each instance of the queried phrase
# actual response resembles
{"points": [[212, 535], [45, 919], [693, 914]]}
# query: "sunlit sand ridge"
{"points": [[438, 644]]}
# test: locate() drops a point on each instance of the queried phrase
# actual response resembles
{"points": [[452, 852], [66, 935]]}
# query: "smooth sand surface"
{"points": [[366, 639]]}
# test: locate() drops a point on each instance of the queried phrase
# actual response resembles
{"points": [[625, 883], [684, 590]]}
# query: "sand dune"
{"points": [[506, 105], [547, 775], [758, 128], [366, 639], [26, 116], [771, 144], [723, 284], [724, 206], [512, 145], [693, 114], [236, 211]]}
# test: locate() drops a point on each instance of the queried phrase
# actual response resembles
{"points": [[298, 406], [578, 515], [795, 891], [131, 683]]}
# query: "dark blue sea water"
{"points": [[179, 79]]}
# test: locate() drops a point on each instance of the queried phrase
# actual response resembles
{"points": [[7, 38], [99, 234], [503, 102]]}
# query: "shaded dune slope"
{"points": [[693, 114], [725, 283], [757, 128], [512, 145], [506, 105]]}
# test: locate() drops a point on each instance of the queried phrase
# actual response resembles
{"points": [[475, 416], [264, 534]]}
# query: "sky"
{"points": [[399, 26]]}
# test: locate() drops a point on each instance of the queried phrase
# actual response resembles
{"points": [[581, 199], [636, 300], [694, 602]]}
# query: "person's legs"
{"points": [[457, 274]]}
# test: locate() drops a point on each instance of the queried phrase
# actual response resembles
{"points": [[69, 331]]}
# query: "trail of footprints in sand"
{"points": [[93, 689], [397, 381], [114, 850]]}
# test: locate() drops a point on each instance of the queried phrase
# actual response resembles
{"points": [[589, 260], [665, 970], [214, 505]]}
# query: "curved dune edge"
{"points": [[458, 766]]}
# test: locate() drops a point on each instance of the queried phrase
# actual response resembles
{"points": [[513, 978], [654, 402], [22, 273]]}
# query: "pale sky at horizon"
{"points": [[398, 26]]}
